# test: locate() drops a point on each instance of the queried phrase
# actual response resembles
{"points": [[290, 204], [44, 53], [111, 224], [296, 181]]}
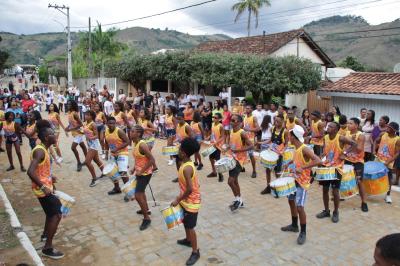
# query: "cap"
{"points": [[316, 113], [394, 126], [298, 131]]}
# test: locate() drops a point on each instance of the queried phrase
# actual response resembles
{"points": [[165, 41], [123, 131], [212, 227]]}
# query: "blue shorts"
{"points": [[100, 128], [171, 132], [299, 196], [199, 138]]}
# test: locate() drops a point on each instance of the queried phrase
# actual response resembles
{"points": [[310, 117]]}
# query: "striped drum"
{"points": [[283, 186], [348, 185], [375, 179], [66, 202], [173, 216]]}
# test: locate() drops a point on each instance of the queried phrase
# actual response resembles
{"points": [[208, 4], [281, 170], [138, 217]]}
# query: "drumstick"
{"points": [[155, 204]]}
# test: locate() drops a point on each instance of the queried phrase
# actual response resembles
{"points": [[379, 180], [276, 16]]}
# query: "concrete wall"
{"points": [[113, 84], [299, 100]]}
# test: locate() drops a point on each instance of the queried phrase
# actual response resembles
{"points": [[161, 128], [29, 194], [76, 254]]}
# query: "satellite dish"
{"points": [[396, 68]]}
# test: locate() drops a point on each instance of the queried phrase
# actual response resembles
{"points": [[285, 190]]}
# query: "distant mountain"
{"points": [[379, 52], [27, 49]]}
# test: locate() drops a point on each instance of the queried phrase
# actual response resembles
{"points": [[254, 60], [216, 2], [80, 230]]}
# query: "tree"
{"points": [[3, 58], [352, 63], [252, 7]]}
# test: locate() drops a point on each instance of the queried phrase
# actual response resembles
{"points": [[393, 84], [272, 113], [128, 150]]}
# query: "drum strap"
{"points": [[275, 139]]}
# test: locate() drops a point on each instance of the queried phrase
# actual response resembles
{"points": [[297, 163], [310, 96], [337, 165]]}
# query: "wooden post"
{"points": [[169, 86], [148, 86]]}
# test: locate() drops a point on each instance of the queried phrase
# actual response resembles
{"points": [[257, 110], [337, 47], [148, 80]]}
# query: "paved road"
{"points": [[103, 230]]}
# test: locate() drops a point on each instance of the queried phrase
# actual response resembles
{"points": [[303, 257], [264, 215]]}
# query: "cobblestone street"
{"points": [[104, 230]]}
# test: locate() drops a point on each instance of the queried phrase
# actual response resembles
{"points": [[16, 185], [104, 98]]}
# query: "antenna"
{"points": [[396, 68]]}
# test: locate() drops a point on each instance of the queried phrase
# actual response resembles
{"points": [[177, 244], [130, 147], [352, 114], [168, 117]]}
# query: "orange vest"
{"points": [[290, 125], [9, 128], [43, 171], [73, 123], [181, 132], [332, 151], [196, 128], [89, 134], [130, 117], [169, 122], [249, 124], [343, 131], [140, 159], [192, 202], [113, 141], [216, 135], [236, 143], [53, 119], [355, 157], [119, 120], [387, 148], [99, 119], [188, 114], [315, 133], [299, 161]]}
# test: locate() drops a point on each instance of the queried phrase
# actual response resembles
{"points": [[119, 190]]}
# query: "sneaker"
{"points": [[254, 175], [243, 170], [79, 167], [155, 170], [175, 180], [196, 163], [290, 228], [126, 198], [200, 167], [235, 205], [335, 217], [220, 178], [212, 175], [59, 160], [10, 168], [103, 156], [266, 190], [93, 183], [43, 237], [194, 257], [170, 162], [364, 207], [388, 199], [323, 214], [52, 253], [302, 238], [114, 192], [141, 213], [23, 169], [184, 242], [145, 224], [241, 205]]}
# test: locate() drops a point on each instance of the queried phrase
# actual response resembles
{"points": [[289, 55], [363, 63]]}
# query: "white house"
{"points": [[377, 91]]}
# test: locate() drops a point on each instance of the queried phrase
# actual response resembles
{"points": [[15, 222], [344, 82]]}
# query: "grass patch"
{"points": [[7, 237]]}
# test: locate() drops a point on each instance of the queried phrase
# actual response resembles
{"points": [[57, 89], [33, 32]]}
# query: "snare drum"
{"points": [[66, 202], [287, 156], [129, 188], [111, 170], [375, 179], [170, 150], [269, 159], [325, 173], [225, 164], [283, 186], [208, 151], [173, 216], [348, 185]]}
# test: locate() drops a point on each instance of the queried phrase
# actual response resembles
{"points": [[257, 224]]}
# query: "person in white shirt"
{"points": [[61, 101], [259, 113], [192, 98], [224, 95], [121, 95], [109, 106], [51, 94], [272, 112], [77, 93]]}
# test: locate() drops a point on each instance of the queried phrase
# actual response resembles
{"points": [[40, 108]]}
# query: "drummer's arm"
{"points": [[396, 153], [256, 128], [94, 130], [321, 126], [189, 131], [125, 140], [249, 144], [377, 142], [286, 134], [345, 140], [315, 160]]}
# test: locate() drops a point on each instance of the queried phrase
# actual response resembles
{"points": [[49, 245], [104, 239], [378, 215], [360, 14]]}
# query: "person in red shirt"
{"points": [[226, 122], [27, 103]]}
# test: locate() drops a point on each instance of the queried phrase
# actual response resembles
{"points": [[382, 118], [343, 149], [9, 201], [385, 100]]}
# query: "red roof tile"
{"points": [[262, 45], [367, 83]]}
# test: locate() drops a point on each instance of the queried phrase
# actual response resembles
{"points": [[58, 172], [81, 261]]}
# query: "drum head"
{"points": [[282, 181], [374, 167], [64, 196], [108, 168], [347, 168], [269, 155]]}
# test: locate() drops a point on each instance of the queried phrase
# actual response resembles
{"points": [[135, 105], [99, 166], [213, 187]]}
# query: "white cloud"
{"points": [[27, 16]]}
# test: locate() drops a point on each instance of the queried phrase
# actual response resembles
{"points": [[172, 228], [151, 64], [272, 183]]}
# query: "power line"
{"points": [[153, 15]]}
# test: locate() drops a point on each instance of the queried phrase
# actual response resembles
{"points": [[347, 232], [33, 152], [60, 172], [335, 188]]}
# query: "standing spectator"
{"points": [[130, 98], [224, 96], [27, 103], [105, 94], [169, 102], [182, 100], [148, 99], [363, 116], [77, 93], [51, 94], [206, 118], [188, 113], [61, 101], [381, 127], [305, 119], [272, 112], [48, 102], [369, 125], [109, 106], [162, 125], [336, 113], [202, 96], [121, 95], [226, 122], [160, 101], [217, 108], [138, 100], [10, 86]]}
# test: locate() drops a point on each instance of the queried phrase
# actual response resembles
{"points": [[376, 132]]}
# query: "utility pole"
{"points": [[90, 49], [69, 50]]}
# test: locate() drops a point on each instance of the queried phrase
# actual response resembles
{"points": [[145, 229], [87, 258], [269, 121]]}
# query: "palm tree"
{"points": [[252, 6]]}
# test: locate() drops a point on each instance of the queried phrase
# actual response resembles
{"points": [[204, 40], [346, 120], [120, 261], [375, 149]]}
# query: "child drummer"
{"points": [[217, 139], [303, 160], [189, 197], [144, 162], [239, 145]]}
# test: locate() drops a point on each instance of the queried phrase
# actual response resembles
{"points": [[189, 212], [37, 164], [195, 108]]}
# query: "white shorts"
{"points": [[299, 197], [122, 162], [94, 144], [2, 132], [78, 139], [227, 127]]}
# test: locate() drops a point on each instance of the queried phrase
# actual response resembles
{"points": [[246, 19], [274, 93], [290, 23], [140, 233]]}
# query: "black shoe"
{"points": [[212, 175], [141, 213], [23, 169], [266, 190], [114, 192], [2, 150], [220, 178], [43, 237], [184, 242], [236, 204], [254, 175], [301, 239], [175, 180], [52, 253], [364, 207], [126, 199], [323, 214], [196, 163], [10, 168], [243, 170], [79, 167], [335, 217], [200, 167], [290, 228], [193, 258], [100, 177], [93, 183], [145, 224]]}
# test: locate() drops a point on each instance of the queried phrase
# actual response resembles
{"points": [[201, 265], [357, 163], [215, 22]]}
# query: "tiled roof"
{"points": [[262, 45], [367, 83]]}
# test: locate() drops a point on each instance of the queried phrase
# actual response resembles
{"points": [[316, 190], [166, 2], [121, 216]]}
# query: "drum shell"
{"points": [[112, 172], [229, 164], [284, 189], [208, 151], [348, 184], [325, 173], [66, 202], [376, 187], [170, 150], [130, 188], [173, 216], [269, 159]]}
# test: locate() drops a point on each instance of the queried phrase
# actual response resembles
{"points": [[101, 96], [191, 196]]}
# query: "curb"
{"points": [[17, 227]]}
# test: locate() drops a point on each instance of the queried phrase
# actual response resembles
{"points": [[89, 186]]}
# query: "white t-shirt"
{"points": [[224, 95], [267, 134], [272, 114], [108, 107], [51, 94], [121, 97], [162, 119], [259, 115], [61, 98]]}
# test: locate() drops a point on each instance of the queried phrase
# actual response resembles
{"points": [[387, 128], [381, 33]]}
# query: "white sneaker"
{"points": [[59, 159], [388, 199], [103, 156], [170, 162], [129, 147]]}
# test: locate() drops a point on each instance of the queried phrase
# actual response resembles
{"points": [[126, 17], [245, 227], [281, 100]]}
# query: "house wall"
{"points": [[351, 107]]}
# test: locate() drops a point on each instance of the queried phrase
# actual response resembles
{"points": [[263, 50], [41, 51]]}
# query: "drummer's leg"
{"points": [[75, 151], [83, 147], [359, 171], [335, 192], [88, 162], [325, 194]]}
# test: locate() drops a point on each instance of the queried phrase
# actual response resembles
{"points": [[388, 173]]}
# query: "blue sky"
{"points": [[27, 17]]}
